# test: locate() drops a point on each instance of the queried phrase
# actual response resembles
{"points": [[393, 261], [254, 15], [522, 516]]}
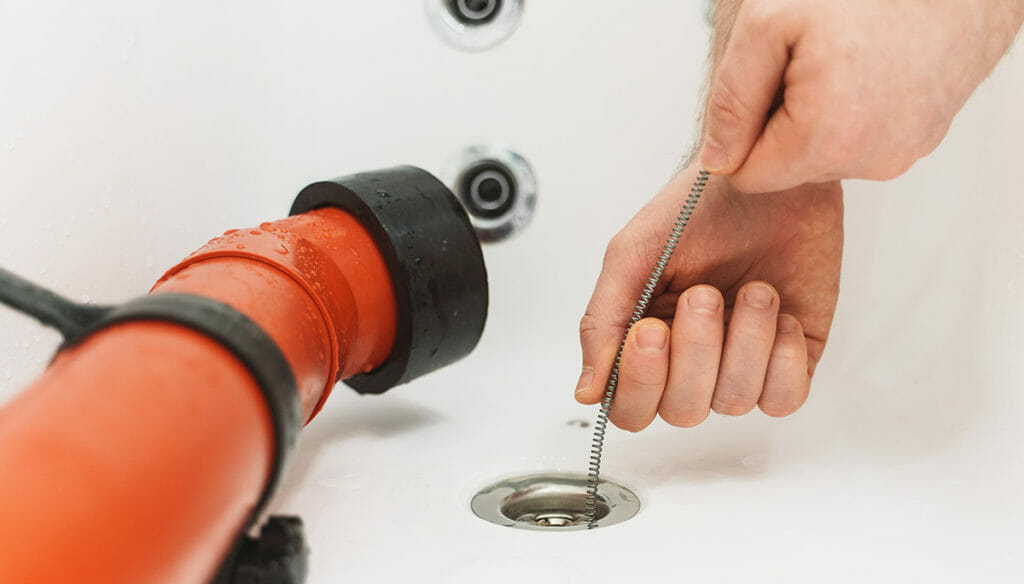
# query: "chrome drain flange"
{"points": [[552, 502]]}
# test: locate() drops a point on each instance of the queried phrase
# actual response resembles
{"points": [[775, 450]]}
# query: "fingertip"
{"points": [[778, 403], [714, 158], [702, 299], [732, 405], [786, 324], [686, 420], [649, 335], [631, 426], [776, 410], [760, 295], [585, 393]]}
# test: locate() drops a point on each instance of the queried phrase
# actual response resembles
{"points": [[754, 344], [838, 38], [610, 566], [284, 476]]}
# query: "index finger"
{"points": [[604, 324]]}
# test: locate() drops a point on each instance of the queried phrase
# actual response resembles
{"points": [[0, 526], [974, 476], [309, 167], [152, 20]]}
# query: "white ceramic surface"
{"points": [[130, 132]]}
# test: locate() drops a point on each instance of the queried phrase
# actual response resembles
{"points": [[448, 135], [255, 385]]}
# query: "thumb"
{"points": [[743, 89]]}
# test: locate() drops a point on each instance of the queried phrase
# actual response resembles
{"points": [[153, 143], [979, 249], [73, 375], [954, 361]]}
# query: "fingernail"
{"points": [[759, 295], [786, 324], [651, 337], [586, 380], [712, 157], [703, 300]]}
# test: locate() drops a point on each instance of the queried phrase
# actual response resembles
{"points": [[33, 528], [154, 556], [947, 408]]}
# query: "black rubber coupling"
{"points": [[435, 262]]}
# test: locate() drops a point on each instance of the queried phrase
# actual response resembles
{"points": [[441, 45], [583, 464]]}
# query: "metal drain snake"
{"points": [[597, 445]]}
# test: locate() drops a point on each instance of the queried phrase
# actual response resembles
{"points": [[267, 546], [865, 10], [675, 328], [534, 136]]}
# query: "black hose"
{"points": [[49, 308]]}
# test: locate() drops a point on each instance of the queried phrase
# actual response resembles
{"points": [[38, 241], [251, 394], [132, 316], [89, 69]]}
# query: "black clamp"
{"points": [[278, 556], [253, 347]]}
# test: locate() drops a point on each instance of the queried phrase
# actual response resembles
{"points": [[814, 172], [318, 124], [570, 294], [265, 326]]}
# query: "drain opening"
{"points": [[474, 11], [551, 506], [487, 190], [552, 502], [496, 186], [474, 25]]}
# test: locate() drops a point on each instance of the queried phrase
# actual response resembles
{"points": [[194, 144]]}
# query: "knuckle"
{"points": [[902, 166], [588, 325], [758, 14], [702, 345], [725, 107], [831, 143], [697, 342], [831, 152], [932, 140], [619, 246], [642, 378]]}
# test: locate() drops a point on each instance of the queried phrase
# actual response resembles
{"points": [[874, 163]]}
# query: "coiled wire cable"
{"points": [[597, 444]]}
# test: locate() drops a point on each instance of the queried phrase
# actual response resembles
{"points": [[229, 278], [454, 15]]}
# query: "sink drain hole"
{"points": [[552, 501], [550, 507]]}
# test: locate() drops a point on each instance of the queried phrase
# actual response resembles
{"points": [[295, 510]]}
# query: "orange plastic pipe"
{"points": [[149, 444]]}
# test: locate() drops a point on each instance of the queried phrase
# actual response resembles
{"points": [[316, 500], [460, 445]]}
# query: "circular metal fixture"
{"points": [[497, 188], [475, 25], [552, 502]]}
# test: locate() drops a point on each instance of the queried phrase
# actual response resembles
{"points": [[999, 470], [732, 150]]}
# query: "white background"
{"points": [[131, 132]]}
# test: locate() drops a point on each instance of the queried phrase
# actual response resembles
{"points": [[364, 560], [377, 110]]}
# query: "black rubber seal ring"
{"points": [[433, 256]]}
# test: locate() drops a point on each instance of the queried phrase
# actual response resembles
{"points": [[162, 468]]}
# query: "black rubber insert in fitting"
{"points": [[433, 257], [483, 198], [474, 12]]}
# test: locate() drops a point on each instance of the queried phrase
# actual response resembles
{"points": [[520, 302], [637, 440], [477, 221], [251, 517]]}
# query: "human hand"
{"points": [[776, 259], [810, 91]]}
